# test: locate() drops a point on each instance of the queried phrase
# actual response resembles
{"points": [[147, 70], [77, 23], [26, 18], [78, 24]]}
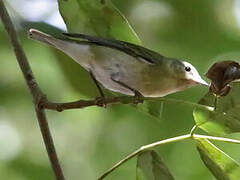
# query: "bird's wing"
{"points": [[141, 53]]}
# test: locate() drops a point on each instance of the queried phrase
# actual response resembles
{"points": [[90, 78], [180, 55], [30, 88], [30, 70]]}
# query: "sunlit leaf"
{"points": [[222, 166], [226, 118], [97, 18], [151, 167]]}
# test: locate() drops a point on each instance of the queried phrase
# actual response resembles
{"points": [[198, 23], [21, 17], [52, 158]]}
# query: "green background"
{"points": [[91, 140]]}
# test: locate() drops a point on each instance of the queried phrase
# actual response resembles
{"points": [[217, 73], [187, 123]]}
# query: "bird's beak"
{"points": [[200, 81]]}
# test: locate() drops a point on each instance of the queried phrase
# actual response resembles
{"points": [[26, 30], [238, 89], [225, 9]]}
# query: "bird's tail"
{"points": [[45, 38], [80, 52]]}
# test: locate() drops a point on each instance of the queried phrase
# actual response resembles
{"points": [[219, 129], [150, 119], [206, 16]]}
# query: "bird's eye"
{"points": [[187, 68]]}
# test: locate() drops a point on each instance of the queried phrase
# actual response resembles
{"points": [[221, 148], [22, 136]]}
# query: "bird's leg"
{"points": [[138, 96], [99, 90], [97, 85]]}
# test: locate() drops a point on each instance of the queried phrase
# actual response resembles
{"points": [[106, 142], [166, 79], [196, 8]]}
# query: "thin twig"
{"points": [[166, 141], [34, 89], [143, 148], [85, 103], [193, 130], [222, 139], [113, 100]]}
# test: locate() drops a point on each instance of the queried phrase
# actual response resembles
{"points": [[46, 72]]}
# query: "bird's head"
{"points": [[187, 74]]}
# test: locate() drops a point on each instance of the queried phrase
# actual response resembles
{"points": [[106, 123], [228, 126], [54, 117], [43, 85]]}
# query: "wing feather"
{"points": [[141, 53]]}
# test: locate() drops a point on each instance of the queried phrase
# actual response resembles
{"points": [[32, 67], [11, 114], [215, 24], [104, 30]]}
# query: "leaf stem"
{"points": [[191, 135], [143, 148], [193, 130], [227, 140]]}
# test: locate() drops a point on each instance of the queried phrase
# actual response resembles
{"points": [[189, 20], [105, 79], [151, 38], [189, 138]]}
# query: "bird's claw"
{"points": [[138, 98], [100, 102]]}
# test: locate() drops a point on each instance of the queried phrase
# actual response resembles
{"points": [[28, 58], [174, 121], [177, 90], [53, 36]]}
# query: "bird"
{"points": [[124, 67]]}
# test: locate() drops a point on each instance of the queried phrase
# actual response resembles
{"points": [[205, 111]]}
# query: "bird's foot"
{"points": [[100, 102], [138, 98]]}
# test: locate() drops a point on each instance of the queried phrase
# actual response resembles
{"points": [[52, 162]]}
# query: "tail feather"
{"points": [[80, 52], [59, 43], [42, 37], [64, 45]]}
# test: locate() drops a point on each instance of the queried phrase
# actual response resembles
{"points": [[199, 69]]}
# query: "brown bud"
{"points": [[221, 74]]}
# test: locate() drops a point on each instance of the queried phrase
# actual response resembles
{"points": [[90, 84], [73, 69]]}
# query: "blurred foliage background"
{"points": [[91, 140]]}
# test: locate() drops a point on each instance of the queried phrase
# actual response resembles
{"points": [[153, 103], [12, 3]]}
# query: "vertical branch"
{"points": [[52, 155], [34, 89]]}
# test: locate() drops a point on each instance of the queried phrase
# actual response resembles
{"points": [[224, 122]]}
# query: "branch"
{"points": [[166, 141], [86, 103], [222, 139], [143, 148], [34, 89], [45, 103]]}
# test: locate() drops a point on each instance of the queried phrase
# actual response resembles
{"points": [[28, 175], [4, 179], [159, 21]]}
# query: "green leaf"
{"points": [[153, 108], [93, 17], [226, 118], [222, 166], [97, 17], [151, 167]]}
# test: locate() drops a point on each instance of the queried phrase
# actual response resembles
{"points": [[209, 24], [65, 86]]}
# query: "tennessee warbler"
{"points": [[125, 67]]}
